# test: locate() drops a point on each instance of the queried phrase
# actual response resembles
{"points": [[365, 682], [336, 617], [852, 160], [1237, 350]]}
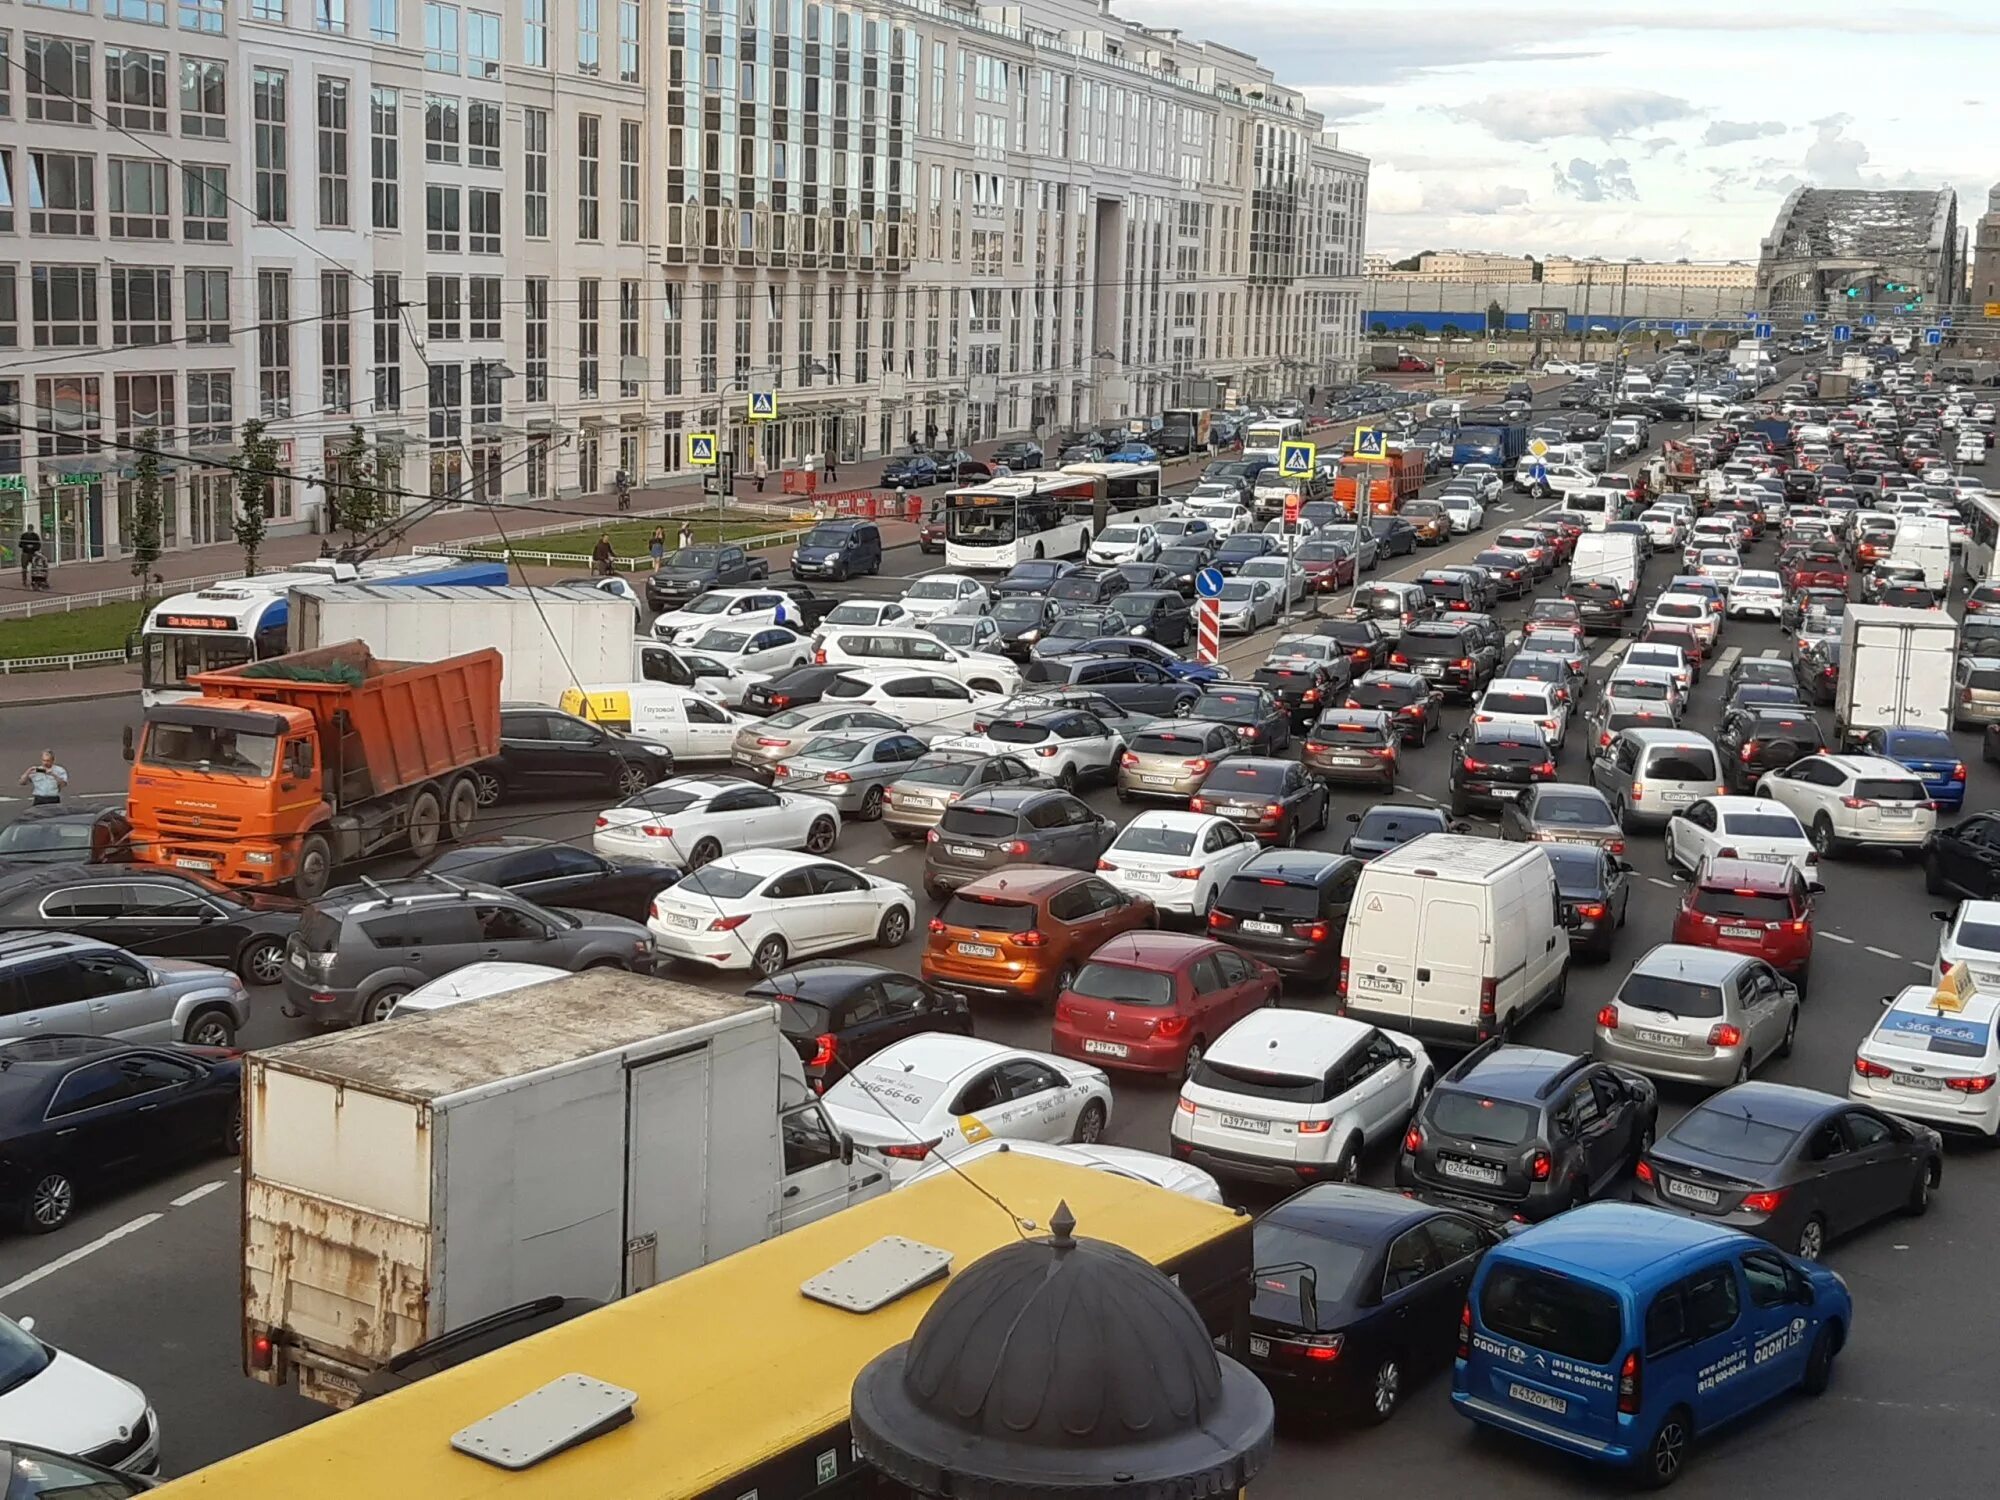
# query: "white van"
{"points": [[1455, 938], [690, 724]]}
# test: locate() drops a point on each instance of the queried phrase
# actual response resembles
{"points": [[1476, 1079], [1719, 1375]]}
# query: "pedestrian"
{"points": [[930, 436], [657, 545], [31, 548], [45, 780], [687, 533], [601, 555], [832, 470], [913, 440], [763, 473]]}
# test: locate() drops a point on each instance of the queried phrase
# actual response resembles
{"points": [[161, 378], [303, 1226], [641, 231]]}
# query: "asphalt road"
{"points": [[145, 1284]]}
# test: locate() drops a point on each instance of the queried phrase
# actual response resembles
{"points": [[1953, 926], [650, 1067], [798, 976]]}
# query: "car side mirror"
{"points": [[1940, 916], [27, 1325], [846, 1149]]}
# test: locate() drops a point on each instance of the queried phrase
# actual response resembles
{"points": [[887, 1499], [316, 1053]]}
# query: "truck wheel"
{"points": [[461, 808], [426, 821], [315, 868]]}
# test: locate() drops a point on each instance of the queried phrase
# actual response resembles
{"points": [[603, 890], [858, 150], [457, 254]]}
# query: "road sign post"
{"points": [[1208, 631]]}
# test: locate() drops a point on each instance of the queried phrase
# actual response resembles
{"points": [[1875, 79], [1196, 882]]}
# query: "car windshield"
{"points": [[830, 747], [1119, 536], [1550, 1311], [718, 882], [932, 588], [1142, 838], [1084, 626], [985, 914], [1074, 589], [1133, 606], [46, 836], [1683, 763], [1279, 1250], [1398, 823], [210, 748], [1126, 985], [962, 633], [22, 1356], [1671, 993], [825, 536], [1568, 811], [1728, 1130], [695, 557], [854, 614]]}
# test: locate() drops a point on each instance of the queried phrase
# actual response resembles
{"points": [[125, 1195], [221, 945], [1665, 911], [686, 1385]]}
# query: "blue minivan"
{"points": [[1622, 1334]]}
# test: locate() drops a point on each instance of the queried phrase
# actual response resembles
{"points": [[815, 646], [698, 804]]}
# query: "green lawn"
{"points": [[629, 538], [60, 633]]}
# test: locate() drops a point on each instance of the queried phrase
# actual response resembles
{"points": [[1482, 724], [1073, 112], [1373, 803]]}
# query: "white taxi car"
{"points": [[762, 908], [736, 606], [1527, 704], [1177, 860], [1931, 1057], [1296, 1096], [938, 594], [765, 649], [692, 822], [1971, 936], [1753, 828], [1850, 800], [936, 1094]]}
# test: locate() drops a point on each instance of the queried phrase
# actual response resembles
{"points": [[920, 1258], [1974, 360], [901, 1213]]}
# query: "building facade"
{"points": [[1675, 275], [522, 248], [1984, 272]]}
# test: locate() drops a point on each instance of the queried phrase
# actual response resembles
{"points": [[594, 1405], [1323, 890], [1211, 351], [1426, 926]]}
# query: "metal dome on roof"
{"points": [[1060, 1367]]}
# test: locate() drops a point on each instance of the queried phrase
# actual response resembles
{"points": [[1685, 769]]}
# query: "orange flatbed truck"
{"points": [[283, 771], [1379, 486]]}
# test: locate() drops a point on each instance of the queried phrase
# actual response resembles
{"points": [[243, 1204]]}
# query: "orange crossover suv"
{"points": [[1024, 933]]}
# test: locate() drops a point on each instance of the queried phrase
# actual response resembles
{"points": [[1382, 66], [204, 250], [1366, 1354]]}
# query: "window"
{"points": [[535, 378], [332, 152], [204, 99], [78, 404], [384, 158], [274, 343], [440, 128], [482, 221], [139, 207], [207, 306], [58, 80], [587, 40], [587, 132], [1712, 1303], [535, 33], [586, 338], [482, 132], [1769, 1279], [65, 307], [441, 217], [268, 115], [211, 406], [446, 318], [135, 89], [628, 182], [268, 10], [670, 351], [202, 15], [487, 384], [387, 323], [330, 15], [535, 173], [808, 1140], [142, 306], [482, 44], [447, 397], [628, 41], [336, 341], [482, 302], [148, 401], [440, 37], [628, 335], [1864, 1131], [382, 20]]}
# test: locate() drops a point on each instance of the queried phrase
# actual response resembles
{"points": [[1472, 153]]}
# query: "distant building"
{"points": [[1474, 265], [1564, 270], [1985, 252]]}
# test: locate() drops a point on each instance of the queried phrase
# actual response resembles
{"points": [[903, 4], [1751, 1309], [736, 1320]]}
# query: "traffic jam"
{"points": [[1433, 851]]}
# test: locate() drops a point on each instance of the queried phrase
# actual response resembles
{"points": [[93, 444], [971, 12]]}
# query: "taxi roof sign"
{"points": [[701, 450], [1295, 460], [1957, 987]]}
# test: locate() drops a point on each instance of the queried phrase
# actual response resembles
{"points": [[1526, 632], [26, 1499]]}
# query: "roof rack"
{"points": [[1463, 1068], [1561, 1076]]}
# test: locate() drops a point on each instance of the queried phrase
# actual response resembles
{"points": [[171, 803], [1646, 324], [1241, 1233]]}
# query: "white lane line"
{"points": [[1608, 655], [1918, 963], [883, 859], [1885, 953], [1769, 653], [196, 1194], [1728, 658], [1663, 884], [1836, 937], [62, 1262]]}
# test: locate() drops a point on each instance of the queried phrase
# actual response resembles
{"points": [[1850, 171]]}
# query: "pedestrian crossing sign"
{"points": [[701, 450], [1368, 443], [763, 405], [1295, 460]]}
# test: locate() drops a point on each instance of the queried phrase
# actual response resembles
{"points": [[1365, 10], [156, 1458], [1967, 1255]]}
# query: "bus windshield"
{"points": [[167, 661]]}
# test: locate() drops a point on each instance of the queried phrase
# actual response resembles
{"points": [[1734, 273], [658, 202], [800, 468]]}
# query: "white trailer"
{"points": [[1895, 668]]}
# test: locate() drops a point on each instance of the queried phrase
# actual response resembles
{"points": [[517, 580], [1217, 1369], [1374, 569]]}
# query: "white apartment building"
{"points": [[525, 245], [1564, 270]]}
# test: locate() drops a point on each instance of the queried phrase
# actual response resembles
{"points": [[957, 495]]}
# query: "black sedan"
{"points": [[1306, 687], [1256, 715], [838, 1012], [1769, 671], [1023, 619], [1032, 577], [1495, 763], [1241, 548], [910, 471], [1792, 1166], [551, 873], [1418, 707], [1274, 801], [1594, 887], [1185, 563], [1367, 647], [545, 752], [799, 688], [1394, 537], [1021, 455], [81, 1113], [163, 913], [1511, 571], [1964, 859], [1389, 825], [1356, 1295], [61, 835]]}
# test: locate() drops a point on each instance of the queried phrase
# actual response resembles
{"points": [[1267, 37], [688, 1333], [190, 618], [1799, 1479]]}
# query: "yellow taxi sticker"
{"points": [[973, 1129]]}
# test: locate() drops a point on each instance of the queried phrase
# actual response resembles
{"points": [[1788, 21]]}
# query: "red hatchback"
{"points": [[1749, 906], [1151, 1002]]}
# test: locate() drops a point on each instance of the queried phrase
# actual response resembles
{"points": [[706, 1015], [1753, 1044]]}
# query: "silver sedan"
{"points": [[1248, 604], [849, 770]]}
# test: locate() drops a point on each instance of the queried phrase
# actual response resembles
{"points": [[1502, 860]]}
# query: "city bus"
{"points": [[1131, 491], [241, 620], [1261, 439], [992, 526], [743, 1379]]}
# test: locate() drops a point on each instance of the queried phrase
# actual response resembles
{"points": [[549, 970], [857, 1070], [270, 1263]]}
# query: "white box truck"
{"points": [[1895, 668], [584, 1138]]}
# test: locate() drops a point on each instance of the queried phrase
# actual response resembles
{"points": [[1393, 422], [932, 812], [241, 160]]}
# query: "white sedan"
{"points": [[1275, 571], [1179, 861], [1756, 592], [693, 821], [765, 649], [1754, 828], [926, 703], [1135, 542], [939, 594], [1119, 1161], [1971, 936], [1485, 480], [1464, 510], [69, 1405], [936, 1094], [762, 908]]}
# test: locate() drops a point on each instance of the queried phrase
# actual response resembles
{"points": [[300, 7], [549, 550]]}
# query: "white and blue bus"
{"points": [[992, 526], [242, 620]]}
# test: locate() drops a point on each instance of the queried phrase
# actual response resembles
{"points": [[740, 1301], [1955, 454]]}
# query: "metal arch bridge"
{"points": [[1827, 240]]}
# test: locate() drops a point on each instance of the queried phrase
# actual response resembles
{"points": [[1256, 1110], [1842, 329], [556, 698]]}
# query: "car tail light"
{"points": [[1048, 752], [1105, 864], [781, 769], [1631, 1385], [1546, 768], [1592, 909], [1193, 874], [1722, 1034], [910, 1150], [1958, 772], [656, 830], [819, 657], [825, 1045], [1413, 1140], [1341, 989], [1272, 812], [770, 744], [1396, 658], [1170, 1026], [603, 822], [840, 776], [1643, 1170], [1608, 1017], [1857, 802], [1314, 1127], [1015, 847], [931, 837], [1221, 920], [1638, 793], [1489, 997], [1034, 937], [1315, 747], [1360, 654], [1540, 1166], [1128, 759], [1476, 765], [1312, 932], [1977, 1085], [937, 924], [262, 1352], [1065, 1011], [1186, 1106], [1197, 804], [1465, 1330], [727, 924], [781, 700], [1762, 1203], [1604, 736]]}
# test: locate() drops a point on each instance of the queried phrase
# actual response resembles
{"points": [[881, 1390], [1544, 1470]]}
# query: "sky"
{"points": [[1618, 129]]}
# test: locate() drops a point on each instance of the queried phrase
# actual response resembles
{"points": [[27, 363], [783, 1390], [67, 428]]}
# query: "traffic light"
{"points": [[1895, 286], [1854, 291]]}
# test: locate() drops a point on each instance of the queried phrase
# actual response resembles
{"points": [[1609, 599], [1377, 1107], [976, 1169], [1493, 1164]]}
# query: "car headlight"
{"points": [[655, 749]]}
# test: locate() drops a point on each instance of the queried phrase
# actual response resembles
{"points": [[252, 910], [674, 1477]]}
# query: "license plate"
{"points": [[1471, 1171], [1245, 1122], [686, 924], [1351, 760], [964, 851], [1146, 877], [1270, 928], [1693, 1192], [185, 863], [1898, 812], [1741, 932], [1507, 793], [1916, 1081], [1431, 669], [1770, 859], [1157, 780], [1658, 1038], [1680, 796], [1260, 1348], [1527, 1395], [1106, 1049], [1384, 984], [978, 950]]}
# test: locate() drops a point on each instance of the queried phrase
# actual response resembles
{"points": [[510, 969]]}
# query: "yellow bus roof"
{"points": [[731, 1363]]}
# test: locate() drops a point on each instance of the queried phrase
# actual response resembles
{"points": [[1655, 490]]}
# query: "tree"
{"points": [[1378, 329], [1450, 330], [144, 527], [354, 497], [256, 476], [1496, 317]]}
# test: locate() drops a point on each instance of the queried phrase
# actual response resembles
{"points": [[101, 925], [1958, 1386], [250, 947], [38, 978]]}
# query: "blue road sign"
{"points": [[1763, 330], [1868, 320], [1208, 583], [1933, 335], [1842, 333], [1945, 321], [1809, 319], [1537, 474], [1755, 317], [1680, 330]]}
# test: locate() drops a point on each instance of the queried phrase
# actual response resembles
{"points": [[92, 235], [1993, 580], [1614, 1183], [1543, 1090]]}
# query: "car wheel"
{"points": [[895, 926], [1089, 1124], [1668, 1453], [48, 1203], [1207, 909], [769, 956], [1824, 839], [632, 778], [1791, 1031], [210, 1028], [230, 1142], [382, 1002], [1348, 1167], [1385, 1390], [1919, 1202], [1812, 1239], [1744, 1068], [262, 961], [1193, 1058], [1124, 795], [1819, 1362], [488, 787], [820, 837], [1290, 838], [871, 805], [705, 852], [1066, 779]]}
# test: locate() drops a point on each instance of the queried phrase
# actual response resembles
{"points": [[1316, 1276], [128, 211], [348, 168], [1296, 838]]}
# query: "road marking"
{"points": [[196, 1194], [1665, 884], [1836, 937], [1609, 654], [883, 859], [1728, 659], [1918, 963], [62, 1262], [1769, 653], [1885, 953]]}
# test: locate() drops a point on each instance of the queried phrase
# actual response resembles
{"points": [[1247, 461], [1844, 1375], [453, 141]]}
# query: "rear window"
{"points": [[1572, 812], [1891, 791], [318, 931], [1017, 732], [944, 773], [987, 915], [1531, 705], [980, 822], [1546, 1311], [1508, 752], [1473, 1117], [1248, 776], [1279, 1251], [1262, 896], [1671, 994], [1164, 742], [1787, 727], [1380, 602], [1350, 633], [1383, 694], [1732, 1133], [1754, 906], [1590, 589], [1126, 985], [720, 883], [1692, 764], [1285, 1088], [1641, 689], [1986, 678], [1144, 838], [1424, 646], [1231, 708]]}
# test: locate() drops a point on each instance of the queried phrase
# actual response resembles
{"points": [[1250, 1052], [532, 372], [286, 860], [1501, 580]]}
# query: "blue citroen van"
{"points": [[1623, 1334]]}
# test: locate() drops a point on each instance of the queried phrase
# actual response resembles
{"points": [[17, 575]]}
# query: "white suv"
{"points": [[919, 651], [1295, 1096], [1527, 704], [1850, 800]]}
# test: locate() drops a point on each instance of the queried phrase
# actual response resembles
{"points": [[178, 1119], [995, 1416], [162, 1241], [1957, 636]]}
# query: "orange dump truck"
{"points": [[1379, 486], [284, 770]]}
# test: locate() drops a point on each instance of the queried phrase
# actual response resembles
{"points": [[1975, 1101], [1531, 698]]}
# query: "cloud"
{"points": [[1729, 132], [1339, 108], [1596, 182], [1656, 145], [1835, 158], [1480, 197], [1599, 114]]}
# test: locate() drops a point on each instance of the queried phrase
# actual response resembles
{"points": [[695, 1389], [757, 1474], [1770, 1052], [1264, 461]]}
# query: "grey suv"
{"points": [[990, 831], [360, 948], [58, 983]]}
